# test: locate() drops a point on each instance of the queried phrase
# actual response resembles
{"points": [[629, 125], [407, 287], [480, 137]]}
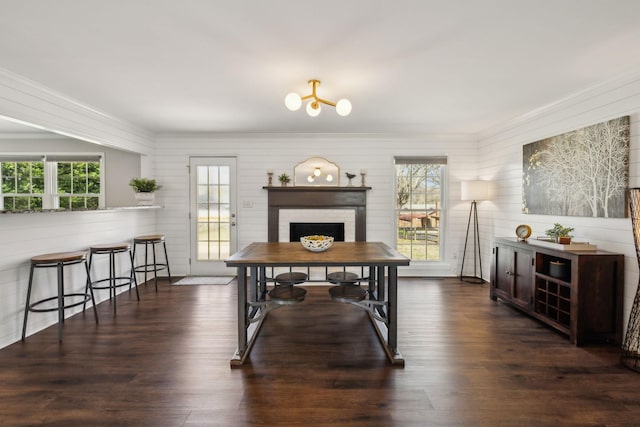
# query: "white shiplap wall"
{"points": [[30, 234], [501, 162], [257, 153]]}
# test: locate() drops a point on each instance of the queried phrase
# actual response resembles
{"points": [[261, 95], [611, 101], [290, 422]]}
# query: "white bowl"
{"points": [[316, 243]]}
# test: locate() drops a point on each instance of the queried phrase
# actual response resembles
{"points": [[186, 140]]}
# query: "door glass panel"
{"points": [[224, 194], [213, 212], [225, 214], [225, 231], [213, 174], [203, 214], [212, 193], [214, 232], [213, 250], [203, 194], [203, 229]]}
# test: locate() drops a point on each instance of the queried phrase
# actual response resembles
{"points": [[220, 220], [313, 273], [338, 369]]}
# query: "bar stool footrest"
{"points": [[129, 281], [85, 298], [148, 268]]}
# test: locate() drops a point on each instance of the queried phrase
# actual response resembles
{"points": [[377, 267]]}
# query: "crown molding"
{"points": [[572, 99], [27, 102]]}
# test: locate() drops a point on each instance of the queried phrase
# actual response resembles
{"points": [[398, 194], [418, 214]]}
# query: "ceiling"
{"points": [[447, 66]]}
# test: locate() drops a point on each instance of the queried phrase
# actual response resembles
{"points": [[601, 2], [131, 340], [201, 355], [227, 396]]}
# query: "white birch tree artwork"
{"points": [[580, 173]]}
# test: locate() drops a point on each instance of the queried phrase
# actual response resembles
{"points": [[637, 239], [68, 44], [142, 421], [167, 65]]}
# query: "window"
{"points": [[22, 184], [70, 182], [419, 209]]}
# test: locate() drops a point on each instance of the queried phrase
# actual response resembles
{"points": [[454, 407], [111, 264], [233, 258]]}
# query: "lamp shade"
{"points": [[343, 107], [474, 190], [293, 101], [313, 112]]}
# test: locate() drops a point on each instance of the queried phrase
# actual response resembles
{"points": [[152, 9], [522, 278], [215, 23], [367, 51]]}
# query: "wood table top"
{"points": [[293, 253]]}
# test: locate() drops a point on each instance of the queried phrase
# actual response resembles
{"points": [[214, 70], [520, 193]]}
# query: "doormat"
{"points": [[205, 280]]}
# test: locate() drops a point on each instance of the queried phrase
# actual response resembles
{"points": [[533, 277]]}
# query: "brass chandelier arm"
{"points": [[314, 84], [324, 101], [316, 99]]}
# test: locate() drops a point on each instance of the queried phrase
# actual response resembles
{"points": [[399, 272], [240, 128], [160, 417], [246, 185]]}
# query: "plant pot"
{"points": [[145, 199], [284, 184], [564, 240]]}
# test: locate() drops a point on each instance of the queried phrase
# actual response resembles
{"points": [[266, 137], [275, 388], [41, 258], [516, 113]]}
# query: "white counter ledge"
{"points": [[108, 209]]}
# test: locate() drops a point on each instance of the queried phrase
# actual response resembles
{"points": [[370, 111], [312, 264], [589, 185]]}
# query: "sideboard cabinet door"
{"points": [[512, 275]]}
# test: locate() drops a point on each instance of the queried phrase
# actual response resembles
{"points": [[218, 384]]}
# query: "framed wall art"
{"points": [[580, 173]]}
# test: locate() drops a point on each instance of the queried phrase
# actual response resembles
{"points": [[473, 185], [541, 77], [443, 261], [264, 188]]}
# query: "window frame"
{"points": [[440, 211], [51, 197]]}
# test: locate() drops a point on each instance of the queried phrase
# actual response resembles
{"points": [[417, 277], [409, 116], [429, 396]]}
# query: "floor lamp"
{"points": [[474, 191], [631, 346]]}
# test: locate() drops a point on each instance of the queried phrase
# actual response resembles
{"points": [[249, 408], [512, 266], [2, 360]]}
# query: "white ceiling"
{"points": [[447, 66]]}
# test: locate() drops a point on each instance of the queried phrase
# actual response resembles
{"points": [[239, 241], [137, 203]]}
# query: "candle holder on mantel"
{"points": [[270, 175], [630, 356], [363, 172]]}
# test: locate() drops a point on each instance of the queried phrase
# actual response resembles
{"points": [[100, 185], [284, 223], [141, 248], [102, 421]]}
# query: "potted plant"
{"points": [[559, 233], [145, 189], [284, 179]]}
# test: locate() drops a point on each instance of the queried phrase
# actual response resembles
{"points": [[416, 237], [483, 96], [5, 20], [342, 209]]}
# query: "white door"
{"points": [[212, 214]]}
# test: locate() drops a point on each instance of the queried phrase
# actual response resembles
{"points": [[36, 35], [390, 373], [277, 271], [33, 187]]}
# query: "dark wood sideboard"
{"points": [[578, 293]]}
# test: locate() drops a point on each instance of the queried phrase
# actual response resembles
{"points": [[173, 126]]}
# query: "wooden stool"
{"points": [[147, 267], [291, 278], [347, 293], [347, 290], [342, 278], [113, 281], [59, 261], [285, 292]]}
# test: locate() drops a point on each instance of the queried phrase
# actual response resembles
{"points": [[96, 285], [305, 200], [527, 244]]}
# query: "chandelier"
{"points": [[293, 101]]}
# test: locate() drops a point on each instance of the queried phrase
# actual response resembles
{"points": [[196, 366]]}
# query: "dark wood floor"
{"points": [[165, 362]]}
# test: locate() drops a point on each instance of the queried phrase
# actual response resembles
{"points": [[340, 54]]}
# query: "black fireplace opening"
{"points": [[300, 229]]}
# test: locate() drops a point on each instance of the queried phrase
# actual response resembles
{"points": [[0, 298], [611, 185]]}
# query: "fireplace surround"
{"points": [[306, 197]]}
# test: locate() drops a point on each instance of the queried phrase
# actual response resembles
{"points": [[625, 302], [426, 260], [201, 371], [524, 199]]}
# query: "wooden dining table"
{"points": [[379, 260]]}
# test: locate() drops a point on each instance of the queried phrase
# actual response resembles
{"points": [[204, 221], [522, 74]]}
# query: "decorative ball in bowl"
{"points": [[316, 243]]}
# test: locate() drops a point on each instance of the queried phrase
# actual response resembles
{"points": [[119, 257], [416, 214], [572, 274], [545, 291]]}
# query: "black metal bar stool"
{"points": [[155, 266], [113, 281], [59, 261]]}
